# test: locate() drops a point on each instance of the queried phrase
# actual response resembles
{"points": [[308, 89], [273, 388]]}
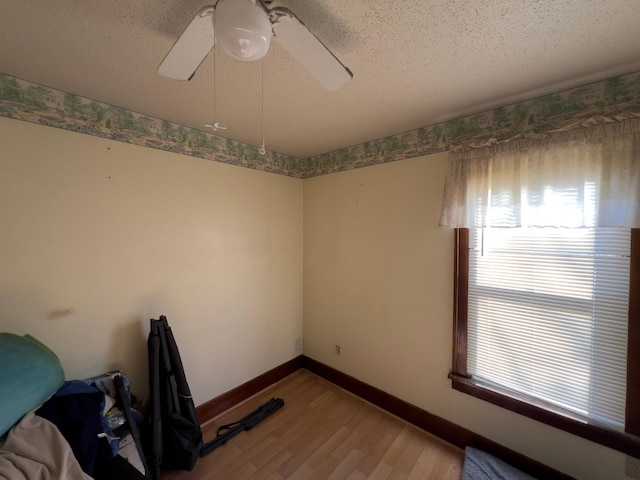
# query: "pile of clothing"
{"points": [[51, 429]]}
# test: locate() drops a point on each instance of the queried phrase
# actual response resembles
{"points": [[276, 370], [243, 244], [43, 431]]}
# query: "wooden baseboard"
{"points": [[444, 429], [216, 406]]}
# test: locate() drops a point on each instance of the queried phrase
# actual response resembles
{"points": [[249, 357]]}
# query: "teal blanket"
{"points": [[29, 374]]}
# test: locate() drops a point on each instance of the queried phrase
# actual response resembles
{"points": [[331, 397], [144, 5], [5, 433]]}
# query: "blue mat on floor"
{"points": [[479, 465]]}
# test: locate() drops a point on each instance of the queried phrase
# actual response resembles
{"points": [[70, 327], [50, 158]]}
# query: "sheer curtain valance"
{"points": [[587, 177]]}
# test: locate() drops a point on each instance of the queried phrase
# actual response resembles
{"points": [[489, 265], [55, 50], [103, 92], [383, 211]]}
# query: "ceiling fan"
{"points": [[243, 29]]}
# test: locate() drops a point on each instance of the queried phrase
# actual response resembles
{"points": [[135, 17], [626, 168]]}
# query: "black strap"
{"points": [[246, 423], [123, 396], [174, 405]]}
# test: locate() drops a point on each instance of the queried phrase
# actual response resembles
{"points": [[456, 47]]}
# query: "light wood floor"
{"points": [[323, 433]]}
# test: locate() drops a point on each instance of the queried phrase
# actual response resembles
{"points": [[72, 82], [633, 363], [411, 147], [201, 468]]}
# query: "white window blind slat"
{"points": [[547, 316]]}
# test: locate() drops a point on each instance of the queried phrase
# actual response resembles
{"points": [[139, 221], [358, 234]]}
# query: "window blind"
{"points": [[547, 316]]}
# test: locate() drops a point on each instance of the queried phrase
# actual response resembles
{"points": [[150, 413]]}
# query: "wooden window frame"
{"points": [[628, 441]]}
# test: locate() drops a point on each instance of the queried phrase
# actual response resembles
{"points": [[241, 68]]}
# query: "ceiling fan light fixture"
{"points": [[242, 29]]}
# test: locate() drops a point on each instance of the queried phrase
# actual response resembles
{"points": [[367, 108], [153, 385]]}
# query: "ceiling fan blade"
{"points": [[192, 47], [310, 52]]}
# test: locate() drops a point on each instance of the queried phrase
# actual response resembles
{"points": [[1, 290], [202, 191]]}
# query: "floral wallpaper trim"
{"points": [[35, 103], [614, 99]]}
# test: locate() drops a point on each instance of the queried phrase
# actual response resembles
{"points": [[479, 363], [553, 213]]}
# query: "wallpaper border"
{"points": [[24, 100], [612, 99]]}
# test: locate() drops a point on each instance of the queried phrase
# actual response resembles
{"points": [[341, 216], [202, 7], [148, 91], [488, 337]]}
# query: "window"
{"points": [[547, 312], [547, 324]]}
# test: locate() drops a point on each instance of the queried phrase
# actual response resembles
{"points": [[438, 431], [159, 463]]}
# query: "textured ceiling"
{"points": [[415, 63]]}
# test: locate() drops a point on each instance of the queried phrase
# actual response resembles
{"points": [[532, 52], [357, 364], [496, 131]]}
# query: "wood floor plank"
{"points": [[272, 465], [404, 451], [357, 475], [321, 454], [324, 470], [385, 433], [303, 472], [361, 424], [424, 465], [382, 471], [302, 450], [323, 433], [346, 466]]}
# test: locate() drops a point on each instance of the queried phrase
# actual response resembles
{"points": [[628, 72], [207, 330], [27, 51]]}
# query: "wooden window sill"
{"points": [[548, 414]]}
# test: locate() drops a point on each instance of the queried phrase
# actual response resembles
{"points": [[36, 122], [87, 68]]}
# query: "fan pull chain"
{"points": [[215, 126], [262, 149]]}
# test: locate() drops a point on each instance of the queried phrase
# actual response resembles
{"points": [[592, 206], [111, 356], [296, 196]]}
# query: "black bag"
{"points": [[175, 435]]}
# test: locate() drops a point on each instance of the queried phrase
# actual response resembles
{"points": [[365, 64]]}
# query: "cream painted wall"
{"points": [[98, 236], [378, 280]]}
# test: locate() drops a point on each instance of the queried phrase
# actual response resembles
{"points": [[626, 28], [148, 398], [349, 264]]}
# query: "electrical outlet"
{"points": [[337, 349], [298, 345], [633, 467]]}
